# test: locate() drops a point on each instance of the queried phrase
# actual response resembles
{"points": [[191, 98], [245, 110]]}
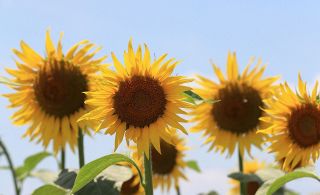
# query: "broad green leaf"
{"points": [[115, 173], [109, 181], [66, 178], [45, 176], [30, 163], [273, 185], [245, 177], [91, 170], [192, 164], [50, 189], [269, 173]]}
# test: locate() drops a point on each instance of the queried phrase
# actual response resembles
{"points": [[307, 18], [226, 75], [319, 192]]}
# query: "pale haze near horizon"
{"points": [[286, 35]]}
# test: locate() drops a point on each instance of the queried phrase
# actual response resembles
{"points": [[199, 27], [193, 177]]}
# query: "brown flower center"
{"points": [[239, 109], [304, 125], [59, 88], [128, 188], [140, 101], [165, 162]]}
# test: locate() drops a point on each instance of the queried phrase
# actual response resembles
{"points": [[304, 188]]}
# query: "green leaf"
{"points": [[109, 181], [50, 189], [269, 173], [30, 163], [116, 173], [193, 98], [210, 193], [88, 172], [273, 185], [192, 164], [193, 95], [245, 177], [45, 176], [189, 99]]}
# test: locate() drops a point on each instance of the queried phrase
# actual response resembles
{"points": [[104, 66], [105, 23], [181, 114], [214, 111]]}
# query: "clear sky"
{"points": [[285, 34]]}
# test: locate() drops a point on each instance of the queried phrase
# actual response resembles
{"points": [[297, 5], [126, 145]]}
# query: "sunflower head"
{"points": [[133, 185], [235, 118], [167, 164], [250, 167], [140, 99], [294, 121], [50, 91]]}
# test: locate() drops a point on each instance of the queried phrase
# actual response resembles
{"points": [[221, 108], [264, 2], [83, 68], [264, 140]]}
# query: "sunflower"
{"points": [[168, 166], [235, 118], [250, 167], [49, 91], [140, 99], [294, 122], [133, 185]]}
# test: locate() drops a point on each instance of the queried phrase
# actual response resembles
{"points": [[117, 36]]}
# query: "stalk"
{"points": [[148, 173], [178, 190], [243, 190], [80, 148], [63, 159], [13, 171]]}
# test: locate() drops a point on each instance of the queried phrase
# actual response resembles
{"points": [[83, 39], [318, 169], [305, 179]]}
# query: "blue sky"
{"points": [[286, 35]]}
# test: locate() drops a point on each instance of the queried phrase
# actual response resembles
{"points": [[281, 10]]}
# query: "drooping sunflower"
{"points": [[49, 91], [133, 185], [140, 99], [168, 166], [235, 118], [250, 167], [294, 122]]}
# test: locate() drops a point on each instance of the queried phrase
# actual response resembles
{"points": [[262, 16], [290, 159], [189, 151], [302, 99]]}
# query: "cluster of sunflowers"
{"points": [[63, 97]]}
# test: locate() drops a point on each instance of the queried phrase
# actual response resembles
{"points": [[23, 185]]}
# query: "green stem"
{"points": [[243, 190], [178, 190], [80, 148], [148, 173], [13, 172], [63, 159]]}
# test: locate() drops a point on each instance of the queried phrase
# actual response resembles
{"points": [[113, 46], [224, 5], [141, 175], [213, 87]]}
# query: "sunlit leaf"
{"points": [[50, 189], [269, 173], [91, 170], [271, 186], [45, 176], [192, 164]]}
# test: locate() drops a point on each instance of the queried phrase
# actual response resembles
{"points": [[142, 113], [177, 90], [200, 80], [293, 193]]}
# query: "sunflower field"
{"points": [[143, 98]]}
